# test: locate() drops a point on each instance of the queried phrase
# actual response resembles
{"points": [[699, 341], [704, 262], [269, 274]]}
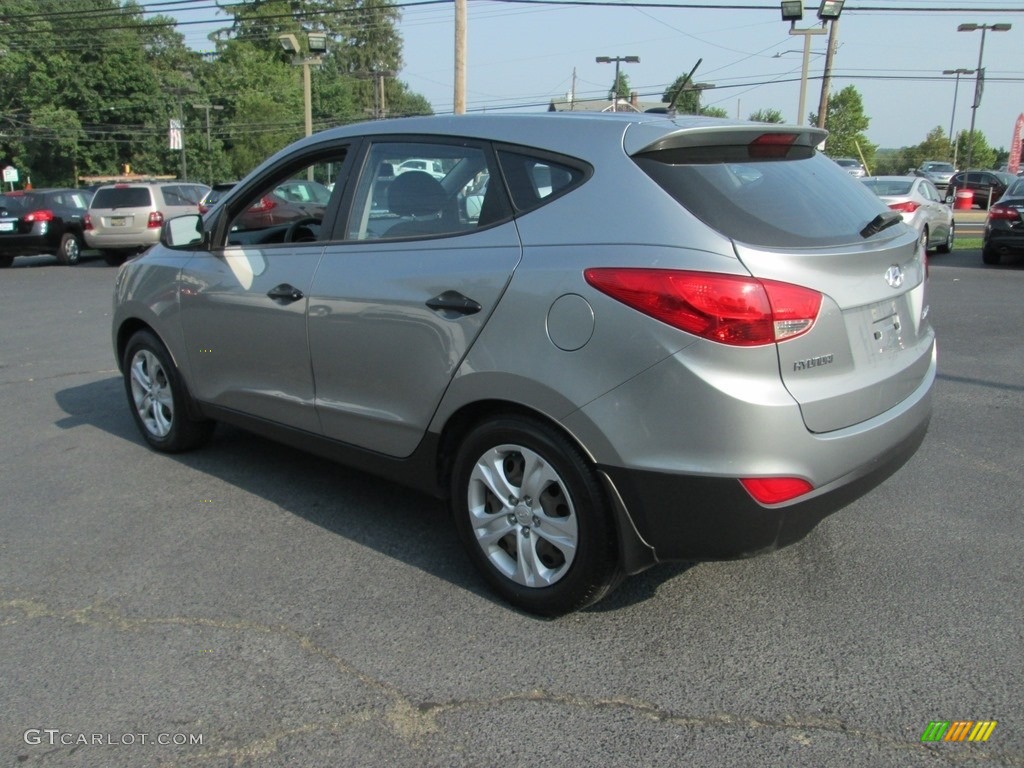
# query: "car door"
{"points": [[243, 305], [404, 290], [937, 214]]}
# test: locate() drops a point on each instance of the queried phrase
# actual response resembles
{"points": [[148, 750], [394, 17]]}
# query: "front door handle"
{"points": [[453, 302], [284, 293]]}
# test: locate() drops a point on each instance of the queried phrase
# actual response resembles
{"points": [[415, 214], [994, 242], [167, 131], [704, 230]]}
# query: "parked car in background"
{"points": [[39, 221], [434, 167], [987, 186], [853, 167], [921, 206], [740, 350], [1004, 227], [214, 195], [290, 201], [126, 218], [937, 172]]}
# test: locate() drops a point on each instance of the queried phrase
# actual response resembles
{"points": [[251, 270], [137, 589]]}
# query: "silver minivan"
{"points": [[126, 218], [651, 338]]}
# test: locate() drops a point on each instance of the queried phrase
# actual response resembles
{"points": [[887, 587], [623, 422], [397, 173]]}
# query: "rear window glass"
{"points": [[783, 203], [122, 197], [15, 202], [886, 187]]}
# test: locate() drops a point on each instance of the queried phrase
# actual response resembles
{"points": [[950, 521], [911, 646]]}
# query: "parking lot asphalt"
{"points": [[250, 605]]}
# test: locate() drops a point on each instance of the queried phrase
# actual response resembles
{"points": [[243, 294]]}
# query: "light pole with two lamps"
{"points": [[979, 77], [829, 10], [317, 42], [615, 87]]}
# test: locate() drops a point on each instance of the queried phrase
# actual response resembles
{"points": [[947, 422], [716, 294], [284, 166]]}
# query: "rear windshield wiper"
{"points": [[880, 222]]}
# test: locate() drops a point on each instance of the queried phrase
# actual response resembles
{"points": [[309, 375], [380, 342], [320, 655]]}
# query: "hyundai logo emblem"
{"points": [[894, 276]]}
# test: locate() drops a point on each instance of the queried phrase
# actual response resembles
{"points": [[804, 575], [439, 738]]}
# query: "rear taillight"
{"points": [[41, 215], [263, 205], [87, 222], [908, 207], [775, 490], [156, 220], [729, 309], [1004, 212]]}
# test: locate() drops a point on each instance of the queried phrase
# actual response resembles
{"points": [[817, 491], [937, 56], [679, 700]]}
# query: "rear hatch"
{"points": [[123, 209], [794, 216]]}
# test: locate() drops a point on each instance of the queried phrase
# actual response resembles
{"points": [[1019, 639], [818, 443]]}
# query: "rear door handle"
{"points": [[453, 302], [284, 293]]}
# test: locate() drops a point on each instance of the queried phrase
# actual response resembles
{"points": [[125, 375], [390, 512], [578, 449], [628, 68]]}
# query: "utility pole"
{"points": [[209, 148], [826, 80], [460, 57]]}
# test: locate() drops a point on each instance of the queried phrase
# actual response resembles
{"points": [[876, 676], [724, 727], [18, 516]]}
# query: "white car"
{"points": [[921, 206], [433, 167]]}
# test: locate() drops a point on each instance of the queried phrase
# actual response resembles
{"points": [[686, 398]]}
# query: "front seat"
{"points": [[419, 197]]}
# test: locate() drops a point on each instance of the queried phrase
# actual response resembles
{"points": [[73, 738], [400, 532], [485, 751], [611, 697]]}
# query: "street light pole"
{"points": [[615, 86], [793, 11], [952, 117], [209, 149], [979, 77]]}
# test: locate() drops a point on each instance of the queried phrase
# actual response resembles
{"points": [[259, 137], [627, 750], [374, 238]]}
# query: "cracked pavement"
{"points": [[291, 612]]}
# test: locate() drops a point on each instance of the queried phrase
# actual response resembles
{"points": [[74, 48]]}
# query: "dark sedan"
{"points": [[987, 186], [1004, 228], [42, 221]]}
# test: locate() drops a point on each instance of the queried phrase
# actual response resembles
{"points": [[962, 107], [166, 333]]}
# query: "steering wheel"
{"points": [[302, 230]]}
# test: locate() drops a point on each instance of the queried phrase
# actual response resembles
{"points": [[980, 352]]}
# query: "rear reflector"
{"points": [[729, 309], [775, 490]]}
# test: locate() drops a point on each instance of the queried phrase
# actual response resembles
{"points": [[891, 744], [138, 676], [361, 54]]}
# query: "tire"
{"points": [[947, 246], [991, 256], [158, 399], [533, 516], [70, 250], [925, 240], [115, 258], [6, 260]]}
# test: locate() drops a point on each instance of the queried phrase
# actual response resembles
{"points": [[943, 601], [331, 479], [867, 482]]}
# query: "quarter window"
{"points": [[531, 180]]}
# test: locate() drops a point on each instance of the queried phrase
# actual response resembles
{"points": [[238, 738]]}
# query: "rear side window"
{"points": [[531, 179], [122, 197], [803, 202]]}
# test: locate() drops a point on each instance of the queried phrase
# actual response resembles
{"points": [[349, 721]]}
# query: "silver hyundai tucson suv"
{"points": [[607, 340]]}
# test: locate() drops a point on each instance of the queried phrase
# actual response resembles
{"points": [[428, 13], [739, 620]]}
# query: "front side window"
{"points": [[424, 189], [290, 207]]}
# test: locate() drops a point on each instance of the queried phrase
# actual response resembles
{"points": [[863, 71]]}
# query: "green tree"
{"points": [[981, 154], [766, 116], [688, 102], [846, 123]]}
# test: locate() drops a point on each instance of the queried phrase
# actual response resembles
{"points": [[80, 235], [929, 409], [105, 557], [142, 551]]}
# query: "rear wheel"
{"points": [[115, 258], [6, 260], [947, 246], [925, 240], [70, 249], [990, 256], [533, 516], [158, 399]]}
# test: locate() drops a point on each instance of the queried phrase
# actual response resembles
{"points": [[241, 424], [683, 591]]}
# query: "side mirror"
{"points": [[183, 232]]}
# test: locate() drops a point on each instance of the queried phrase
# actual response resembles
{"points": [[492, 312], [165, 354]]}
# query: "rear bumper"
{"points": [[686, 517], [1000, 237], [30, 244], [117, 241]]}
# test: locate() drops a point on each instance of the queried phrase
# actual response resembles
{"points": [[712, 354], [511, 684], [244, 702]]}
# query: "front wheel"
{"points": [[70, 250], [533, 516], [157, 397]]}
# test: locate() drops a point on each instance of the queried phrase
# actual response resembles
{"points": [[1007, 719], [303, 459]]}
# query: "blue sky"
{"points": [[523, 54]]}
